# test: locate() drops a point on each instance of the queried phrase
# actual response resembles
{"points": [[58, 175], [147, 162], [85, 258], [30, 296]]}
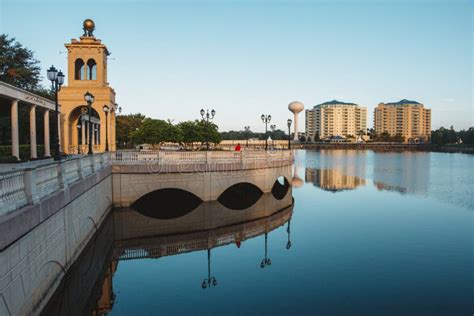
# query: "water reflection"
{"points": [[126, 234], [405, 173], [333, 180]]}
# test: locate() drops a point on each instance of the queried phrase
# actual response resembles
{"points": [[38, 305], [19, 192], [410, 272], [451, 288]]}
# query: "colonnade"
{"points": [[15, 142]]}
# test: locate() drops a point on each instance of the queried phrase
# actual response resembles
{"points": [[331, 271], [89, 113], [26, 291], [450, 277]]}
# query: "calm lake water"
{"points": [[370, 234]]}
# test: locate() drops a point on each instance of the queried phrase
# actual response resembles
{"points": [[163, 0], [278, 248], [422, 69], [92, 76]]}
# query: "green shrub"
{"points": [[6, 151], [8, 159]]}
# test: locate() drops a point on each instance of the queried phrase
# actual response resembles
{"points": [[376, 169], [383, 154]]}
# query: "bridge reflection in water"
{"points": [[127, 234]]}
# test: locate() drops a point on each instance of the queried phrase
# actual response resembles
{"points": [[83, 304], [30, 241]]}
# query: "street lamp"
{"points": [[79, 132], [89, 98], [265, 261], [106, 111], [210, 280], [288, 244], [266, 119], [206, 116], [289, 132], [57, 80], [247, 132]]}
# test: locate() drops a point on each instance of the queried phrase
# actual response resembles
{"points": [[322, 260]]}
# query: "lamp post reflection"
{"points": [[288, 244], [210, 281], [266, 261]]}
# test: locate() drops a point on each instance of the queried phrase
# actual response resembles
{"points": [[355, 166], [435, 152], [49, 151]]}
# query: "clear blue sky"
{"points": [[245, 58]]}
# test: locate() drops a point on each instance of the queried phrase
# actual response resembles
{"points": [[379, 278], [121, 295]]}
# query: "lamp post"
{"points": [[289, 132], [288, 244], [206, 116], [106, 111], [247, 131], [210, 280], [79, 132], [57, 80], [266, 119], [265, 261], [89, 98]]}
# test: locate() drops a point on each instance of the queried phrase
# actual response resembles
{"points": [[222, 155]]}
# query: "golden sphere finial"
{"points": [[88, 27]]}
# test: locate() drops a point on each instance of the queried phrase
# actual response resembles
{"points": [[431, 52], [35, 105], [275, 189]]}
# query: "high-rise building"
{"points": [[335, 118], [408, 119]]}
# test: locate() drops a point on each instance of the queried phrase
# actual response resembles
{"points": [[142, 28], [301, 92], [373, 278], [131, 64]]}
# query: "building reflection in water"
{"points": [[87, 289], [337, 170], [407, 172], [332, 179]]}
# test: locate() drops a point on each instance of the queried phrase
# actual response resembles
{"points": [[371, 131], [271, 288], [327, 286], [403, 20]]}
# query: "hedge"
{"points": [[6, 151]]}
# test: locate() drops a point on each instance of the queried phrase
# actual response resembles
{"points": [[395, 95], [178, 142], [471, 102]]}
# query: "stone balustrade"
{"points": [[29, 185], [21, 187], [12, 191], [171, 157]]}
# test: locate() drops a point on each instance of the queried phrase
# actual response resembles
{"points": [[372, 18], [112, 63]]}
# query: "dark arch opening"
{"points": [[166, 203], [91, 69], [79, 69], [240, 196], [279, 189]]}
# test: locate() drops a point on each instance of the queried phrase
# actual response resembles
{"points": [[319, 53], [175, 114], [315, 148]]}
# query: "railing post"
{"points": [[29, 181], [61, 176], [92, 162], [79, 167]]}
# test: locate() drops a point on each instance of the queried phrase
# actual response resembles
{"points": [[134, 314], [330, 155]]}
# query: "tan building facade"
{"points": [[409, 119], [87, 72], [335, 118]]}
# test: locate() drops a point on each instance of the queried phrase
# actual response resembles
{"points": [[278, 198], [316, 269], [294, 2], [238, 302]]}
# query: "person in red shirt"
{"points": [[237, 148]]}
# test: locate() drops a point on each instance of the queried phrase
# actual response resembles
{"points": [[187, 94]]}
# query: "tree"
{"points": [[190, 132], [125, 125], [19, 68], [208, 132], [316, 137], [172, 133], [151, 131]]}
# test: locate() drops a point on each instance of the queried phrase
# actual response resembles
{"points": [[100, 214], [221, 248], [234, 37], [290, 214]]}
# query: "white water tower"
{"points": [[295, 107]]}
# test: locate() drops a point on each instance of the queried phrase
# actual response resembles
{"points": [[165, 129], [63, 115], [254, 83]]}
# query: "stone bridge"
{"points": [[50, 210], [205, 174]]}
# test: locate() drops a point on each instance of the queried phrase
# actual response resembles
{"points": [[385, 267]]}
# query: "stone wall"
{"points": [[33, 266]]}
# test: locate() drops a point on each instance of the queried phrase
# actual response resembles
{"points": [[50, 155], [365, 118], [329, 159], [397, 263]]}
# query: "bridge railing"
{"points": [[28, 185], [207, 157]]}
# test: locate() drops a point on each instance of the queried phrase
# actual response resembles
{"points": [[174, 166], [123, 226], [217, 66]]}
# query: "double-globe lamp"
{"points": [[57, 80]]}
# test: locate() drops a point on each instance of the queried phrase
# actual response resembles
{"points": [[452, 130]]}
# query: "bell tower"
{"points": [[87, 72]]}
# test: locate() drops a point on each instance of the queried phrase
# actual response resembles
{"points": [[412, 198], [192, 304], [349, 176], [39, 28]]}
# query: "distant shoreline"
{"points": [[382, 147]]}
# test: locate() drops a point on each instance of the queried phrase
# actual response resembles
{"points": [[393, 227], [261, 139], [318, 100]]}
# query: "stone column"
{"points": [[33, 131], [47, 152], [15, 138]]}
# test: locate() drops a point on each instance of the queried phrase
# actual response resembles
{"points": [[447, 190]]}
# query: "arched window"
{"points": [[79, 69], [91, 70]]}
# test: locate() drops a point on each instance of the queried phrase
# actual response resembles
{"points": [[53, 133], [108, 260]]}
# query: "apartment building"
{"points": [[410, 119], [335, 118]]}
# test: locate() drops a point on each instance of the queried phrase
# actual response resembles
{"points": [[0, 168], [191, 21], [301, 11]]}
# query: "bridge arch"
{"points": [[136, 181], [167, 203]]}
